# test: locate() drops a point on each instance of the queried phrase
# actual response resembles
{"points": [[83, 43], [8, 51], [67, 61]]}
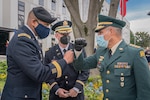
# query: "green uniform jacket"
{"points": [[125, 75]]}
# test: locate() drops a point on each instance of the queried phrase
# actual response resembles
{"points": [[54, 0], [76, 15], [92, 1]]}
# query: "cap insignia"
{"points": [[65, 23]]}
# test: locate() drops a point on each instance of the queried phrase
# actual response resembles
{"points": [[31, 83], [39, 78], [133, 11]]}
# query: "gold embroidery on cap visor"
{"points": [[63, 29], [102, 25]]}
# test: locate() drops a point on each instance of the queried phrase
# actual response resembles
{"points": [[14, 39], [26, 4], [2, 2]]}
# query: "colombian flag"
{"points": [[123, 7]]}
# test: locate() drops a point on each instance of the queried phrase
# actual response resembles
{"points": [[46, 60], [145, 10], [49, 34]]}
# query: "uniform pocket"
{"points": [[25, 92], [122, 71]]}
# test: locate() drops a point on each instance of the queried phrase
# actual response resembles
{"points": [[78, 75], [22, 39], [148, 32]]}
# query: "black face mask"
{"points": [[65, 39]]}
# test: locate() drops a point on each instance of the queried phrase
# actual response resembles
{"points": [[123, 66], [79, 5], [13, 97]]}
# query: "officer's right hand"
{"points": [[69, 56], [62, 93]]}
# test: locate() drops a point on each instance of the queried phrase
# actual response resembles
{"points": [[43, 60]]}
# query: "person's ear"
{"points": [[34, 23], [56, 35]]}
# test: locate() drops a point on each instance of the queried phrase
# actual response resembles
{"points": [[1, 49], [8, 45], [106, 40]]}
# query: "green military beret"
{"points": [[43, 15], [62, 26], [104, 21]]}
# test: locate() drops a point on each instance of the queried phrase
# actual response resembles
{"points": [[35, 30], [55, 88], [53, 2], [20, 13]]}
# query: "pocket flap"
{"points": [[122, 71], [25, 92]]}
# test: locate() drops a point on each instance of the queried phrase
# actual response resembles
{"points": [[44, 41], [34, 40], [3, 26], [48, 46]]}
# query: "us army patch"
{"points": [[47, 49], [54, 70], [142, 54], [25, 35]]}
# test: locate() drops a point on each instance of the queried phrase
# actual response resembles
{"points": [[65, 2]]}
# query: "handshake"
{"points": [[79, 44]]}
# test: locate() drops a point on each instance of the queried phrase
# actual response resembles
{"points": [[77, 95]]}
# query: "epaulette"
{"points": [[25, 35], [133, 45], [47, 49]]}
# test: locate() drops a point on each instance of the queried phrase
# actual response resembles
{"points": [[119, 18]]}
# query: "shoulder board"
{"points": [[47, 49], [25, 35], [133, 45]]}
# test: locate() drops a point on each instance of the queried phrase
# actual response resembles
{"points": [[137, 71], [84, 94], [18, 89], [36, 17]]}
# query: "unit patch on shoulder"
{"points": [[25, 35], [142, 54], [133, 45]]}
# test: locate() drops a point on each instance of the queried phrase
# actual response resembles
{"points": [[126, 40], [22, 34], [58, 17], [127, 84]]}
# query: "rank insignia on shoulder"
{"points": [[142, 54], [133, 45], [47, 49], [120, 49], [24, 35]]}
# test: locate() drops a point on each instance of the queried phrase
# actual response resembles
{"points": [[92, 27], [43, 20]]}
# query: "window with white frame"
{"points": [[63, 8], [53, 5], [21, 13], [41, 2]]}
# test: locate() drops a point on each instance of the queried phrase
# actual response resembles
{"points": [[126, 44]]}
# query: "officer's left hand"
{"points": [[72, 93]]}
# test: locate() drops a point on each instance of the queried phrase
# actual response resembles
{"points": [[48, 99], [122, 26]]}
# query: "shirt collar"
{"points": [[63, 48], [31, 31], [113, 49]]}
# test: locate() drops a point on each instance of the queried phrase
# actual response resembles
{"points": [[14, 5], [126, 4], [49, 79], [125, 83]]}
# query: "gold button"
{"points": [[108, 72], [122, 84], [25, 96], [122, 79], [107, 81], [106, 99], [107, 90]]}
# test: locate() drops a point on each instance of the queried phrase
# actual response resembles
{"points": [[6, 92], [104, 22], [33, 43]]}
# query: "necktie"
{"points": [[64, 51], [110, 53]]}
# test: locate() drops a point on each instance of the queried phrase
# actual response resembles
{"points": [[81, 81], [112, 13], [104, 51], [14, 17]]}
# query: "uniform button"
{"points": [[106, 99], [107, 81], [66, 82], [122, 74], [107, 90], [108, 72], [66, 77], [25, 96]]}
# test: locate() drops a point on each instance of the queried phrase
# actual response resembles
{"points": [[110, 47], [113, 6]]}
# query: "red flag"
{"points": [[123, 7]]}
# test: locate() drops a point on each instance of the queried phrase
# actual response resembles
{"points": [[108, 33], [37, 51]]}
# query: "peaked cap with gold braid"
{"points": [[104, 21], [62, 27]]}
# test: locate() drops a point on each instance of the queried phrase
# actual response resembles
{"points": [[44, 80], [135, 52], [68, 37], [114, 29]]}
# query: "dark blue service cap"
{"points": [[62, 26], [43, 15]]}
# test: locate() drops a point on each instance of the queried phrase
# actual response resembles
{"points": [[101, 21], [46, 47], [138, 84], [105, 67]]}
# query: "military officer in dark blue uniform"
{"points": [[147, 54], [26, 71], [70, 85], [123, 67]]}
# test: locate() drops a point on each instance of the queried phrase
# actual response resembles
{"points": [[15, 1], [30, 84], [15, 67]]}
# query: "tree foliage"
{"points": [[132, 38], [142, 39]]}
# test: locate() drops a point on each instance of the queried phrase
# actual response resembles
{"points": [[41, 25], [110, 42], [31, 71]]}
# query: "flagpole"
{"points": [[122, 10]]}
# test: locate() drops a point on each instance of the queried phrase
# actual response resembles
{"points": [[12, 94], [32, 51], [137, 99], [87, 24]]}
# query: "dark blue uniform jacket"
{"points": [[70, 78], [25, 69]]}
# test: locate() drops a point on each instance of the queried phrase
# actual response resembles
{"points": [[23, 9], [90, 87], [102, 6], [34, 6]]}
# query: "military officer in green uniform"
{"points": [[123, 67]]}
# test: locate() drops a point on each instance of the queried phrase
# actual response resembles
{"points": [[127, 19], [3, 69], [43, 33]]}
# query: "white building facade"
{"points": [[13, 14]]}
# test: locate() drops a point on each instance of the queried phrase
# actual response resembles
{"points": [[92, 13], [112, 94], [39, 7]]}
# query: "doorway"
{"points": [[4, 38]]}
